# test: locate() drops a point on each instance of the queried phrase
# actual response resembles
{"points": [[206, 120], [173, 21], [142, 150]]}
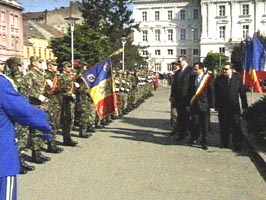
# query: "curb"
{"points": [[257, 156]]}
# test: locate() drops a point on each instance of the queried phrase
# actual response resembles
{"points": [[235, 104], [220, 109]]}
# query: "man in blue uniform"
{"points": [[14, 109]]}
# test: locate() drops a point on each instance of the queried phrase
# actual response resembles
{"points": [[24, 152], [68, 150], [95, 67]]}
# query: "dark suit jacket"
{"points": [[227, 96], [179, 89], [206, 100]]}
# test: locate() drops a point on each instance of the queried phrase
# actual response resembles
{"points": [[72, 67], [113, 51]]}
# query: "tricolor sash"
{"points": [[202, 86]]}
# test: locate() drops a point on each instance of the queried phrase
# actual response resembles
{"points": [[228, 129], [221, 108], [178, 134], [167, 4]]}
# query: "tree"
{"points": [[237, 56], [114, 21], [89, 46], [214, 60]]}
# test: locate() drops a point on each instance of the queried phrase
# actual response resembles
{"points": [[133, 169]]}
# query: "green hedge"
{"points": [[255, 118]]}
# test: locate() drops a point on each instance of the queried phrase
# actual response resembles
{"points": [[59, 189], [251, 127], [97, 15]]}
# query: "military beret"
{"points": [[35, 59], [52, 62], [66, 64]]}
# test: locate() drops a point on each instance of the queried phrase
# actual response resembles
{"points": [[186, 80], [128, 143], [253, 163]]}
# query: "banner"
{"points": [[101, 88], [254, 64]]}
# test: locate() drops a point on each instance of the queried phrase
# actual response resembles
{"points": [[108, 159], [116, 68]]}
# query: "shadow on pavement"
{"points": [[141, 135], [163, 124]]}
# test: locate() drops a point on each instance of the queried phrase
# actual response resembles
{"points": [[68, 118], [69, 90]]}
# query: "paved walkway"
{"points": [[134, 159]]}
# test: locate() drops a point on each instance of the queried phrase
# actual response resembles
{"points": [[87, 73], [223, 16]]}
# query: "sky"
{"points": [[41, 5]]}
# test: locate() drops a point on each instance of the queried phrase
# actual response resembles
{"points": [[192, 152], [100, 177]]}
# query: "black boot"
{"points": [[83, 133], [45, 158], [25, 166], [90, 129], [53, 148], [22, 170], [37, 158], [68, 141]]}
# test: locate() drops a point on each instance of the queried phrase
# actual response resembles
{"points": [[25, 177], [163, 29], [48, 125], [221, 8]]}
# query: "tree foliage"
{"points": [[89, 46], [105, 23], [214, 60]]}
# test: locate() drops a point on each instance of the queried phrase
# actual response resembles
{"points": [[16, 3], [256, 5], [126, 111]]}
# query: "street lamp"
{"points": [[123, 52], [71, 22], [192, 38]]}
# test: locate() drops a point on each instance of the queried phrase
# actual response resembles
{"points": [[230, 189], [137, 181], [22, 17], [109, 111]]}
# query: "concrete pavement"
{"points": [[135, 159]]}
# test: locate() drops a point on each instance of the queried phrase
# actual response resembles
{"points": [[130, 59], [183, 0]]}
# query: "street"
{"points": [[134, 158]]}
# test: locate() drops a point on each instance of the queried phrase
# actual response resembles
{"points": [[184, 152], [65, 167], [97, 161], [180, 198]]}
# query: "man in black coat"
{"points": [[178, 97], [228, 88], [201, 101]]}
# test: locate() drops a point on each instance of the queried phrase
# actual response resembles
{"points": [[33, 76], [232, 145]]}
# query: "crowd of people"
{"points": [[42, 103], [196, 92], [37, 104]]}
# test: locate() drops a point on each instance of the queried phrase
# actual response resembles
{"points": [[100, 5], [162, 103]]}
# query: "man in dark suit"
{"points": [[201, 101], [228, 88], [173, 119], [178, 97]]}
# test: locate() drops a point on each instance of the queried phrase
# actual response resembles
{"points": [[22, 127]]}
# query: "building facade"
{"points": [[11, 29], [227, 23], [169, 28], [56, 17]]}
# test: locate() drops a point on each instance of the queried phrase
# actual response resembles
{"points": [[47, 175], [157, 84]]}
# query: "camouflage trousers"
{"points": [[86, 111], [54, 112], [67, 115], [23, 137]]}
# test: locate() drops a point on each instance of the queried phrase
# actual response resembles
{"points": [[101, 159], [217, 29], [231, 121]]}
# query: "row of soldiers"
{"points": [[65, 97]]}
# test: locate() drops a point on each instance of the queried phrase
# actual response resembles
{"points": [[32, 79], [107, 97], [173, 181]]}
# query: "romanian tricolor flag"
{"points": [[254, 66], [101, 88]]}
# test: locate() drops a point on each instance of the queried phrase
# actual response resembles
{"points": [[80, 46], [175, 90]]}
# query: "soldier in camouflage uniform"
{"points": [[67, 84], [54, 104], [34, 88], [84, 104], [16, 74]]}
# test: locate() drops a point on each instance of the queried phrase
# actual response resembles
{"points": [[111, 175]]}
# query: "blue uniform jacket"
{"points": [[15, 108]]}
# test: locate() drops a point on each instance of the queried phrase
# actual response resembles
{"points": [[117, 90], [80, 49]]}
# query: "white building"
{"points": [[169, 28], [226, 23]]}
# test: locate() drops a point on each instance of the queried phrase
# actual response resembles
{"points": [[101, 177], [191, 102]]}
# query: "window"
{"points": [[222, 31], [170, 34], [195, 14], [245, 9], [196, 52], [158, 67], [144, 16], [195, 34], [40, 52], [145, 35], [169, 66], [245, 30], [16, 21], [170, 14], [222, 11], [170, 51], [183, 52], [182, 14], [157, 15], [3, 40], [182, 34], [145, 53], [11, 20], [158, 52], [3, 17], [221, 50], [28, 52], [157, 35]]}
